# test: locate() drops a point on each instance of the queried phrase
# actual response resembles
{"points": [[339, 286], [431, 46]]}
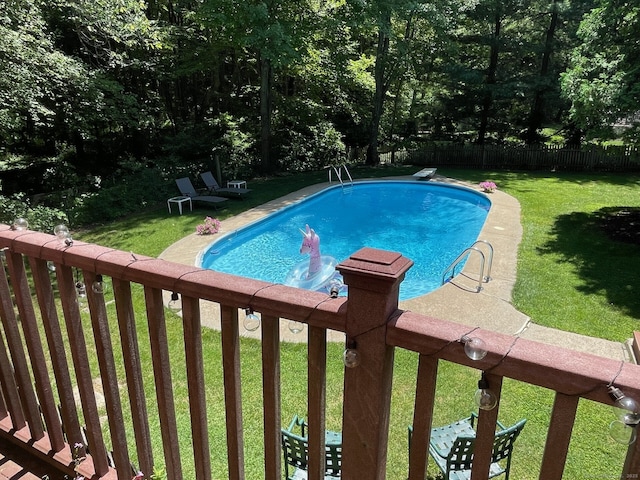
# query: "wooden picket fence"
{"points": [[502, 157]]}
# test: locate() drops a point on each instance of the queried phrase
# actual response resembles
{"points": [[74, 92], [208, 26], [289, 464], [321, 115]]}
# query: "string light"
{"points": [[175, 303], [98, 286], [20, 224], [624, 428], [295, 327], [474, 347], [350, 356], [251, 320], [484, 398], [63, 235]]}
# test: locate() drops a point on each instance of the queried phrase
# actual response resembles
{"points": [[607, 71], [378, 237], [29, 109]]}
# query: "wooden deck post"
{"points": [[373, 277]]}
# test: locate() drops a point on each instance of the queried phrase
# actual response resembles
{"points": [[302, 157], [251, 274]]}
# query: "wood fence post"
{"points": [[373, 278]]}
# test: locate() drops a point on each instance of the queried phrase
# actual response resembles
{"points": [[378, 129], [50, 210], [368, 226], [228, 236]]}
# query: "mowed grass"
{"points": [[570, 276]]}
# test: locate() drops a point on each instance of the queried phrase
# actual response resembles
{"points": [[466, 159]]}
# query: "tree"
{"points": [[33, 75], [274, 33], [603, 81]]}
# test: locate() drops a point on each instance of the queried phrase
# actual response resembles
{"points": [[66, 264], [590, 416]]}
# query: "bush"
{"points": [[234, 147], [125, 195], [40, 217], [310, 148]]}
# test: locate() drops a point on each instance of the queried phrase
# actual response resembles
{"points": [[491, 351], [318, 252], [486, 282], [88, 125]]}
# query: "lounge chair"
{"points": [[186, 188], [213, 187], [425, 173]]}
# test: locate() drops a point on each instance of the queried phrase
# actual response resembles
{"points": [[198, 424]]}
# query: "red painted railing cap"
{"points": [[372, 261]]}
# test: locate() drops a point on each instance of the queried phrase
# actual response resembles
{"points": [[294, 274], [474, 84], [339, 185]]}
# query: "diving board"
{"points": [[425, 173]]}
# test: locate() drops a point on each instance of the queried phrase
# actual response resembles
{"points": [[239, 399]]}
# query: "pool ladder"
{"points": [[338, 171], [485, 260]]}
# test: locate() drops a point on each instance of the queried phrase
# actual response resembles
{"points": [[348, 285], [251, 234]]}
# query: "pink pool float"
{"points": [[319, 272]]}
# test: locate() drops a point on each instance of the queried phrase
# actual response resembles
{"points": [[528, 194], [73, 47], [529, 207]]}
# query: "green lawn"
{"points": [[569, 276]]}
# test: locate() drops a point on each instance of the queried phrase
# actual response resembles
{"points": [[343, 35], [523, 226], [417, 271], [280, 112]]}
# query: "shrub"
{"points": [[40, 217], [125, 195], [310, 147]]}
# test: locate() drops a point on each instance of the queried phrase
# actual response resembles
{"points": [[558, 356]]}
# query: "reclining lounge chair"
{"points": [[186, 188], [214, 188]]}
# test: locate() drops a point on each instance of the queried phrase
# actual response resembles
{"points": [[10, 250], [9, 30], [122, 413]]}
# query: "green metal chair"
{"points": [[295, 447], [452, 448]]}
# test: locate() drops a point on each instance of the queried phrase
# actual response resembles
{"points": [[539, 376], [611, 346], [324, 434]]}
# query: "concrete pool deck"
{"points": [[458, 300]]}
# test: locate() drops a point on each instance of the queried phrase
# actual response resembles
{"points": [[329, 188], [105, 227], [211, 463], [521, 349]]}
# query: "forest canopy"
{"points": [[93, 89]]}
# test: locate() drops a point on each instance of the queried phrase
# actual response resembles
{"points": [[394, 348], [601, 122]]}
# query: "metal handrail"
{"points": [[338, 171], [460, 257], [486, 277]]}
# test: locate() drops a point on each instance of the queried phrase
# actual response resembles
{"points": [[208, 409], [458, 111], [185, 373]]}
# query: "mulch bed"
{"points": [[621, 224]]}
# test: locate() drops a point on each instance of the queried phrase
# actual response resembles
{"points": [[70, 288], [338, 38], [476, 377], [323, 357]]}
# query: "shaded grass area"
{"points": [[570, 276]]}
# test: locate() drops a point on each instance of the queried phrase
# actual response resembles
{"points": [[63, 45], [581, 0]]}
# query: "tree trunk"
{"points": [[536, 116], [265, 114], [487, 101], [378, 100]]}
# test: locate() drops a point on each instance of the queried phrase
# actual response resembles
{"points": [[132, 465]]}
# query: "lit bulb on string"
{"points": [[474, 347], [175, 303], [251, 321], [51, 266], [295, 327], [20, 224], [99, 286], [484, 398], [624, 429]]}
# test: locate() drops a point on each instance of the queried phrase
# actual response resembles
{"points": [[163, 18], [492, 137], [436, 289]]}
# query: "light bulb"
{"points": [[175, 303], [484, 398], [98, 286], [622, 433], [51, 266], [20, 224], [334, 287], [81, 289], [251, 321], [351, 358], [474, 347], [61, 231], [63, 235], [624, 408], [295, 327]]}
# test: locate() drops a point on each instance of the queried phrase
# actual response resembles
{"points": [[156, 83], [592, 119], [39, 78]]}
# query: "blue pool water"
{"points": [[429, 223]]}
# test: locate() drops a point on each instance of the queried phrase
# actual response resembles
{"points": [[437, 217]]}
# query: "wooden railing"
{"points": [[43, 360]]}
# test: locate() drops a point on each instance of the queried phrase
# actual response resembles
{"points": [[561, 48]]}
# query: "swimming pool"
{"points": [[430, 223]]}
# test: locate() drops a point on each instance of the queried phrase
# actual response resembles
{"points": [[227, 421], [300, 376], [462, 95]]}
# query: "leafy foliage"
{"points": [[40, 217], [130, 193], [603, 80], [92, 87]]}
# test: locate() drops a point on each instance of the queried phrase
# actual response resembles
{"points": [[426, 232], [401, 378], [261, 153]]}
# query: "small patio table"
{"points": [[179, 200]]}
